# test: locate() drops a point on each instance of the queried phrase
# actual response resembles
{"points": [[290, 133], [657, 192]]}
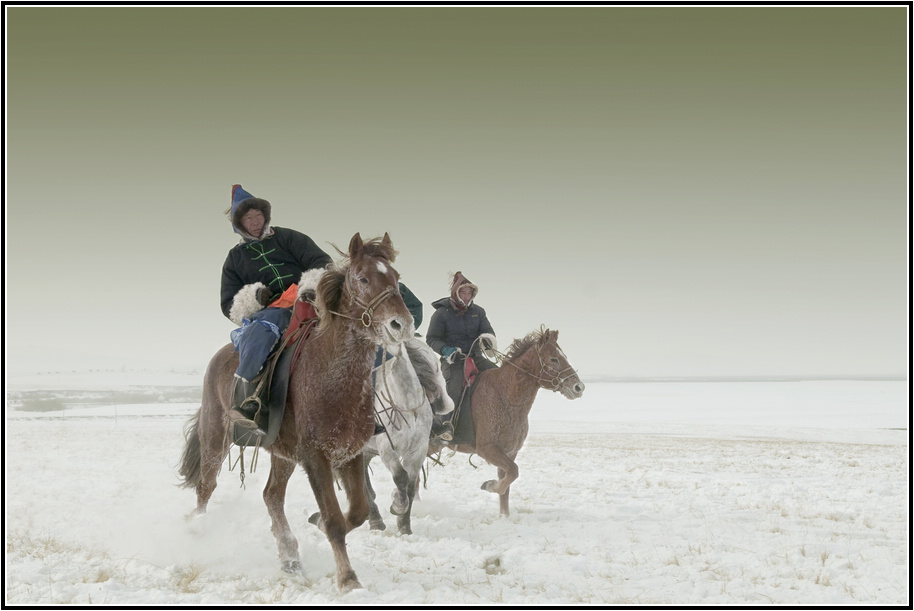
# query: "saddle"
{"points": [[273, 383]]}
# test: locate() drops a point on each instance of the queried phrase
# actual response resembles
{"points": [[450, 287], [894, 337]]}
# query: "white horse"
{"points": [[409, 387]]}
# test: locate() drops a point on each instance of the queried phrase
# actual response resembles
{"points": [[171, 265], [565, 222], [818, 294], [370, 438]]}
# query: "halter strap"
{"points": [[367, 316]]}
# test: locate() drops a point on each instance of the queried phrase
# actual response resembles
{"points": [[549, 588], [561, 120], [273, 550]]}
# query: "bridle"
{"points": [[367, 316]]}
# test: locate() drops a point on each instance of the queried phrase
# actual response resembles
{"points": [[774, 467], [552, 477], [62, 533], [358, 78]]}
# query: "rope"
{"points": [[392, 408]]}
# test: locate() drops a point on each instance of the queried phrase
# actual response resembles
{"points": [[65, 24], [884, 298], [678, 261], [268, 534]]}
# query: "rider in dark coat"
{"points": [[257, 270], [453, 330]]}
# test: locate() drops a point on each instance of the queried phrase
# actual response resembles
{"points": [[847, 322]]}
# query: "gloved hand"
{"points": [[450, 353], [263, 296], [488, 345]]}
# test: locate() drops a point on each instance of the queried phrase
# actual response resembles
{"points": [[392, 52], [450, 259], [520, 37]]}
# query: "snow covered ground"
{"points": [[758, 493]]}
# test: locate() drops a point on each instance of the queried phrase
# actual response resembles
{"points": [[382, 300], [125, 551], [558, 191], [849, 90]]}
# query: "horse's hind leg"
{"points": [[213, 448], [503, 497], [375, 521], [274, 495]]}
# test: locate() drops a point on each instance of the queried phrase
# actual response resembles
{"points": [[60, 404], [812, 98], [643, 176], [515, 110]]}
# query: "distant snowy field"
{"points": [[758, 493]]}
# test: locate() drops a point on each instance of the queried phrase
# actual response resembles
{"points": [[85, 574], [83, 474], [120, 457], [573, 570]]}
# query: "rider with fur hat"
{"points": [[257, 270], [453, 330]]}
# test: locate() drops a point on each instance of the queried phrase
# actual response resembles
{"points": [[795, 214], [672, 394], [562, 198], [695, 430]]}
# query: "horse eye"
{"points": [[554, 360], [363, 280]]}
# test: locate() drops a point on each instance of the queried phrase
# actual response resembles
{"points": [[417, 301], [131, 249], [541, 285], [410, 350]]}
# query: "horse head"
{"points": [[366, 289], [556, 369], [555, 372]]}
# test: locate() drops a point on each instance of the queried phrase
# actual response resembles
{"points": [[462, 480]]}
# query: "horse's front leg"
{"points": [[274, 495], [404, 526], [352, 475], [507, 473], [375, 521], [330, 518]]}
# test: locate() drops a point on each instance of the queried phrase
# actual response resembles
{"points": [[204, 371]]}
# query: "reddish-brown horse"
{"points": [[503, 398], [329, 414]]}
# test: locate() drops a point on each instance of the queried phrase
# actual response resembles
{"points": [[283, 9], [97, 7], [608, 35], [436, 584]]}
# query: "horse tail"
{"points": [[190, 470], [428, 370]]}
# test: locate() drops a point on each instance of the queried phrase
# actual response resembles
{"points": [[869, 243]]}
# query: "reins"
{"points": [[386, 400]]}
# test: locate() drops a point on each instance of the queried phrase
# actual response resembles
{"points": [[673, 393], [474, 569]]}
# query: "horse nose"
{"points": [[398, 329], [579, 388]]}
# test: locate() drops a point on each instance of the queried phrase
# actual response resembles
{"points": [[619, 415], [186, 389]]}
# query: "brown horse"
{"points": [[503, 398], [329, 414]]}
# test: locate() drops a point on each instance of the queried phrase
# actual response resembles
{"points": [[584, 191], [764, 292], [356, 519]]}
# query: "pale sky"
{"points": [[679, 191]]}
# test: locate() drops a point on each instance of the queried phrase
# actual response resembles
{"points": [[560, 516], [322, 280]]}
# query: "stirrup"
{"points": [[244, 417], [244, 423], [445, 435]]}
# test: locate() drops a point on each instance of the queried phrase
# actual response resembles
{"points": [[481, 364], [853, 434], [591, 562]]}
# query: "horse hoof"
{"points": [[377, 525], [316, 519], [350, 584], [397, 510], [293, 567], [196, 514], [488, 486]]}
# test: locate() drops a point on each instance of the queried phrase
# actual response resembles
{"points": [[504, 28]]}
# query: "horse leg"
{"points": [[507, 473], [352, 475], [404, 526], [213, 449], [375, 521], [399, 497], [503, 497], [274, 495], [329, 517], [412, 465]]}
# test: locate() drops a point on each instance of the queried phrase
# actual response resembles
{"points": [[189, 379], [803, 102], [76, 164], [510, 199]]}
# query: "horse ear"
{"points": [[386, 241], [355, 245]]}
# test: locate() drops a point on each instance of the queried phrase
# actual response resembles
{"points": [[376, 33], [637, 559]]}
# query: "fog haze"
{"points": [[679, 191]]}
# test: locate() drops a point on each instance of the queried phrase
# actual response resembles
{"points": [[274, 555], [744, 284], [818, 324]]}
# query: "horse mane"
{"points": [[426, 367], [329, 294], [540, 337]]}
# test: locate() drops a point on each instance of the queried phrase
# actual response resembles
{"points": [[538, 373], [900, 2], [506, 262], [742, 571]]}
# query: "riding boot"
{"points": [[442, 430], [245, 407]]}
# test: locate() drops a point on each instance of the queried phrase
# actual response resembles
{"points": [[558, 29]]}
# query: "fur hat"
{"points": [[460, 281], [242, 202]]}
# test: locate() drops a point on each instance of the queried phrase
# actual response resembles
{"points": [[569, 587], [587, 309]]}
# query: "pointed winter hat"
{"points": [[242, 201]]}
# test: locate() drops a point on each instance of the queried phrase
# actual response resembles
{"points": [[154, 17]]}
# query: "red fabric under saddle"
{"points": [[469, 371], [302, 311]]}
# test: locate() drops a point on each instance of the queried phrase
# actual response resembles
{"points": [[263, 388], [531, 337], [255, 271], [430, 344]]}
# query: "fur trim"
{"points": [[246, 237], [460, 281], [493, 344], [307, 286], [245, 304]]}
